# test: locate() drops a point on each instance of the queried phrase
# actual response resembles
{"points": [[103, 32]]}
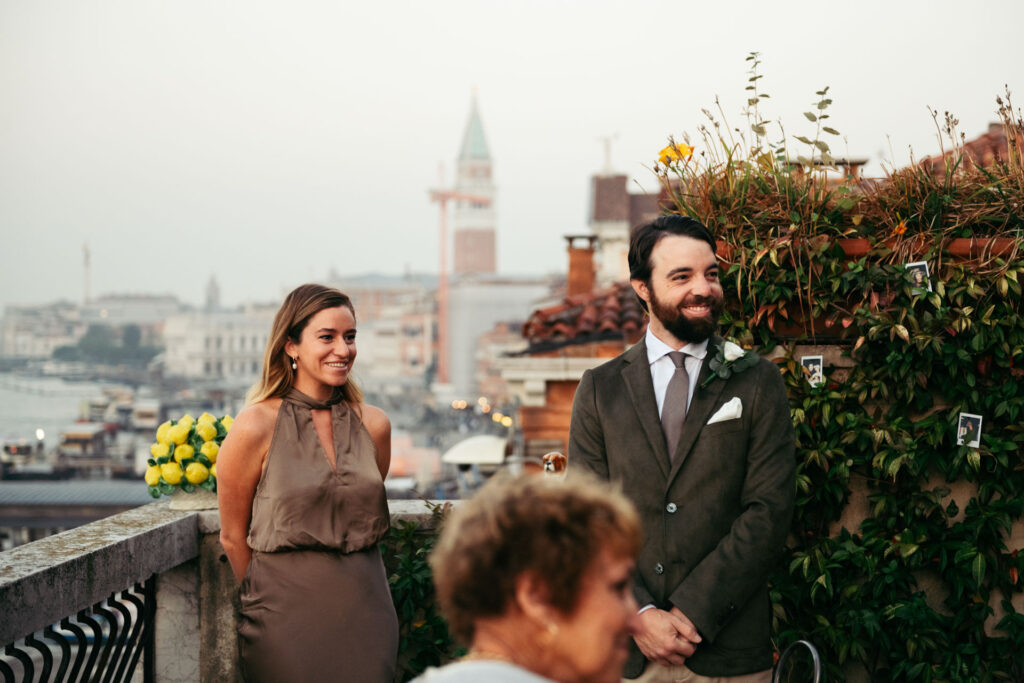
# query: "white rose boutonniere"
{"points": [[730, 359]]}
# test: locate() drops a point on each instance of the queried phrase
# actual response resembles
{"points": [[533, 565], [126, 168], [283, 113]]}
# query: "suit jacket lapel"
{"points": [[704, 399], [637, 377]]}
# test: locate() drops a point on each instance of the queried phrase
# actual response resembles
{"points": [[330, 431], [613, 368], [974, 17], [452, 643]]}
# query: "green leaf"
{"points": [[803, 139], [830, 131], [978, 569], [974, 459], [154, 491], [810, 117]]}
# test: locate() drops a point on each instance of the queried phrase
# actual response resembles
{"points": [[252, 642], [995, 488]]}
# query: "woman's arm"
{"points": [[379, 427], [239, 467]]}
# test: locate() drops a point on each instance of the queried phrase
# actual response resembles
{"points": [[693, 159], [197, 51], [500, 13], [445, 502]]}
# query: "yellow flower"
{"points": [[901, 228], [178, 433], [206, 431], [197, 473], [184, 452], [153, 475], [674, 152], [210, 450], [171, 472], [161, 433]]}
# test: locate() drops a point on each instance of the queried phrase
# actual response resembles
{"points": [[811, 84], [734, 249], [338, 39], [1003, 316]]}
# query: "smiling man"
{"points": [[707, 460]]}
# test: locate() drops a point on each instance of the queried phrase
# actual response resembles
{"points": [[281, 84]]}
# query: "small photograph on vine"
{"points": [[968, 431], [919, 275], [813, 367]]}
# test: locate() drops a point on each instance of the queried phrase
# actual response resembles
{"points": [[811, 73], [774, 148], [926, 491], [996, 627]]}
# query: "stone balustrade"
{"points": [[45, 581]]}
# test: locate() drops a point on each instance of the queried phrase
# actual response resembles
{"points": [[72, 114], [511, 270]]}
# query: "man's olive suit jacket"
{"points": [[715, 516]]}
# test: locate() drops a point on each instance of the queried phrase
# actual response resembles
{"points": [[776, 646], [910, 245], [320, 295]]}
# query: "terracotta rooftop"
{"points": [[610, 313], [982, 151]]}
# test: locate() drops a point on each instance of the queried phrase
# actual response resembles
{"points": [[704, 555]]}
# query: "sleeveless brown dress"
{"points": [[315, 598]]}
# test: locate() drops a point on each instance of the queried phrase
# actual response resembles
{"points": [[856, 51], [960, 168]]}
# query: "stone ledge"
{"points": [[417, 511], [47, 580]]}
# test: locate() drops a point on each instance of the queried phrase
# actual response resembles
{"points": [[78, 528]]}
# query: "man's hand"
{"points": [[666, 637]]}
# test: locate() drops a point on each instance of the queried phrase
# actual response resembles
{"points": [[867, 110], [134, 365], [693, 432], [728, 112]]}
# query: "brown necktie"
{"points": [[673, 410]]}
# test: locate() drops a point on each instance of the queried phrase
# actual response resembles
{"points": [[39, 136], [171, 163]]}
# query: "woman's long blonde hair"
{"points": [[299, 306]]}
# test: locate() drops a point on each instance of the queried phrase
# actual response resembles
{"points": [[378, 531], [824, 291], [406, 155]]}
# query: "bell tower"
{"points": [[473, 222]]}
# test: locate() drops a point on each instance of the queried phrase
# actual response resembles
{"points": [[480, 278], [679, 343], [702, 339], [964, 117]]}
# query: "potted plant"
{"points": [[184, 462]]}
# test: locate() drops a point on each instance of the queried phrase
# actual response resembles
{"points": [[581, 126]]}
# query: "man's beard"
{"points": [[683, 328]]}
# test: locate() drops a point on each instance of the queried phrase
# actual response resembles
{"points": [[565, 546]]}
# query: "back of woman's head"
{"points": [[551, 529], [301, 304]]}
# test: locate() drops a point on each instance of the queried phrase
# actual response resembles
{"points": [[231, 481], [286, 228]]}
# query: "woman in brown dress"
{"points": [[302, 506]]}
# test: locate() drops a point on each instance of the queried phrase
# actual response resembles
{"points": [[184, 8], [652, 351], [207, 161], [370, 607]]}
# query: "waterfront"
{"points": [[49, 403]]}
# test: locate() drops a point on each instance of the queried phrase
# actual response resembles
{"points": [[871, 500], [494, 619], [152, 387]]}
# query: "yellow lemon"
{"points": [[197, 473], [210, 449], [171, 472], [206, 430], [206, 418], [213, 470], [153, 475], [159, 450], [161, 433], [178, 433], [227, 421], [187, 419], [183, 452]]}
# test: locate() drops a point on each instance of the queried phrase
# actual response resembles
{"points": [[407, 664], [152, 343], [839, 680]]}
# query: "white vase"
{"points": [[200, 499]]}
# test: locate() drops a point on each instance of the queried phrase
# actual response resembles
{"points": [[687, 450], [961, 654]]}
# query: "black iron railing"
{"points": [[103, 643]]}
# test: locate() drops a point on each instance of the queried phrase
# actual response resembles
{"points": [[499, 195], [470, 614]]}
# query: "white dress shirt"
{"points": [[662, 367]]}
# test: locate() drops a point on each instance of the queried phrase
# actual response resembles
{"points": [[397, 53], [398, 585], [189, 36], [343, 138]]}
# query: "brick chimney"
{"points": [[581, 264]]}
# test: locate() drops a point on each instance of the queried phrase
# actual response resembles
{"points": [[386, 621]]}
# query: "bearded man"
{"points": [[700, 437]]}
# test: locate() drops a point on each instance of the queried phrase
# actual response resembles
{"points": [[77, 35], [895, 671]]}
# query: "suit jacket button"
{"points": [[658, 569], [671, 508]]}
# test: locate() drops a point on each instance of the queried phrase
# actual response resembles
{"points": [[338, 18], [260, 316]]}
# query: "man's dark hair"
{"points": [[644, 236]]}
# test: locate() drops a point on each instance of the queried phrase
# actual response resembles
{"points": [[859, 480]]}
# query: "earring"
{"points": [[295, 365], [548, 635]]}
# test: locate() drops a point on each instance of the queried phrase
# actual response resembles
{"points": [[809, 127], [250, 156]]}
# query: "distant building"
{"points": [[473, 222], [222, 346], [613, 212], [493, 346], [395, 319], [476, 306], [212, 295], [36, 331], [117, 310]]}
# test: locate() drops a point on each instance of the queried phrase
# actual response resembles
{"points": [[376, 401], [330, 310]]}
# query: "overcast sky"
{"points": [[269, 142]]}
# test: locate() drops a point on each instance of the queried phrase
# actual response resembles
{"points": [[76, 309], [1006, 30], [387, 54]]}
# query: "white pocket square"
{"points": [[730, 411]]}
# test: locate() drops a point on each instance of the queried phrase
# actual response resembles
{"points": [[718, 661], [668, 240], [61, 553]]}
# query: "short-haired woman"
{"points": [[536, 576]]}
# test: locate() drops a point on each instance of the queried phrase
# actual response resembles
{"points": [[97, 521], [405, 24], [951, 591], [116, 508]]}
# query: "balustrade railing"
{"points": [[82, 605], [104, 642]]}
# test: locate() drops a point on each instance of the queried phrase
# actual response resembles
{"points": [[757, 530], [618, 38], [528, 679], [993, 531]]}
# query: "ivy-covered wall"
{"points": [[907, 549], [904, 556]]}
